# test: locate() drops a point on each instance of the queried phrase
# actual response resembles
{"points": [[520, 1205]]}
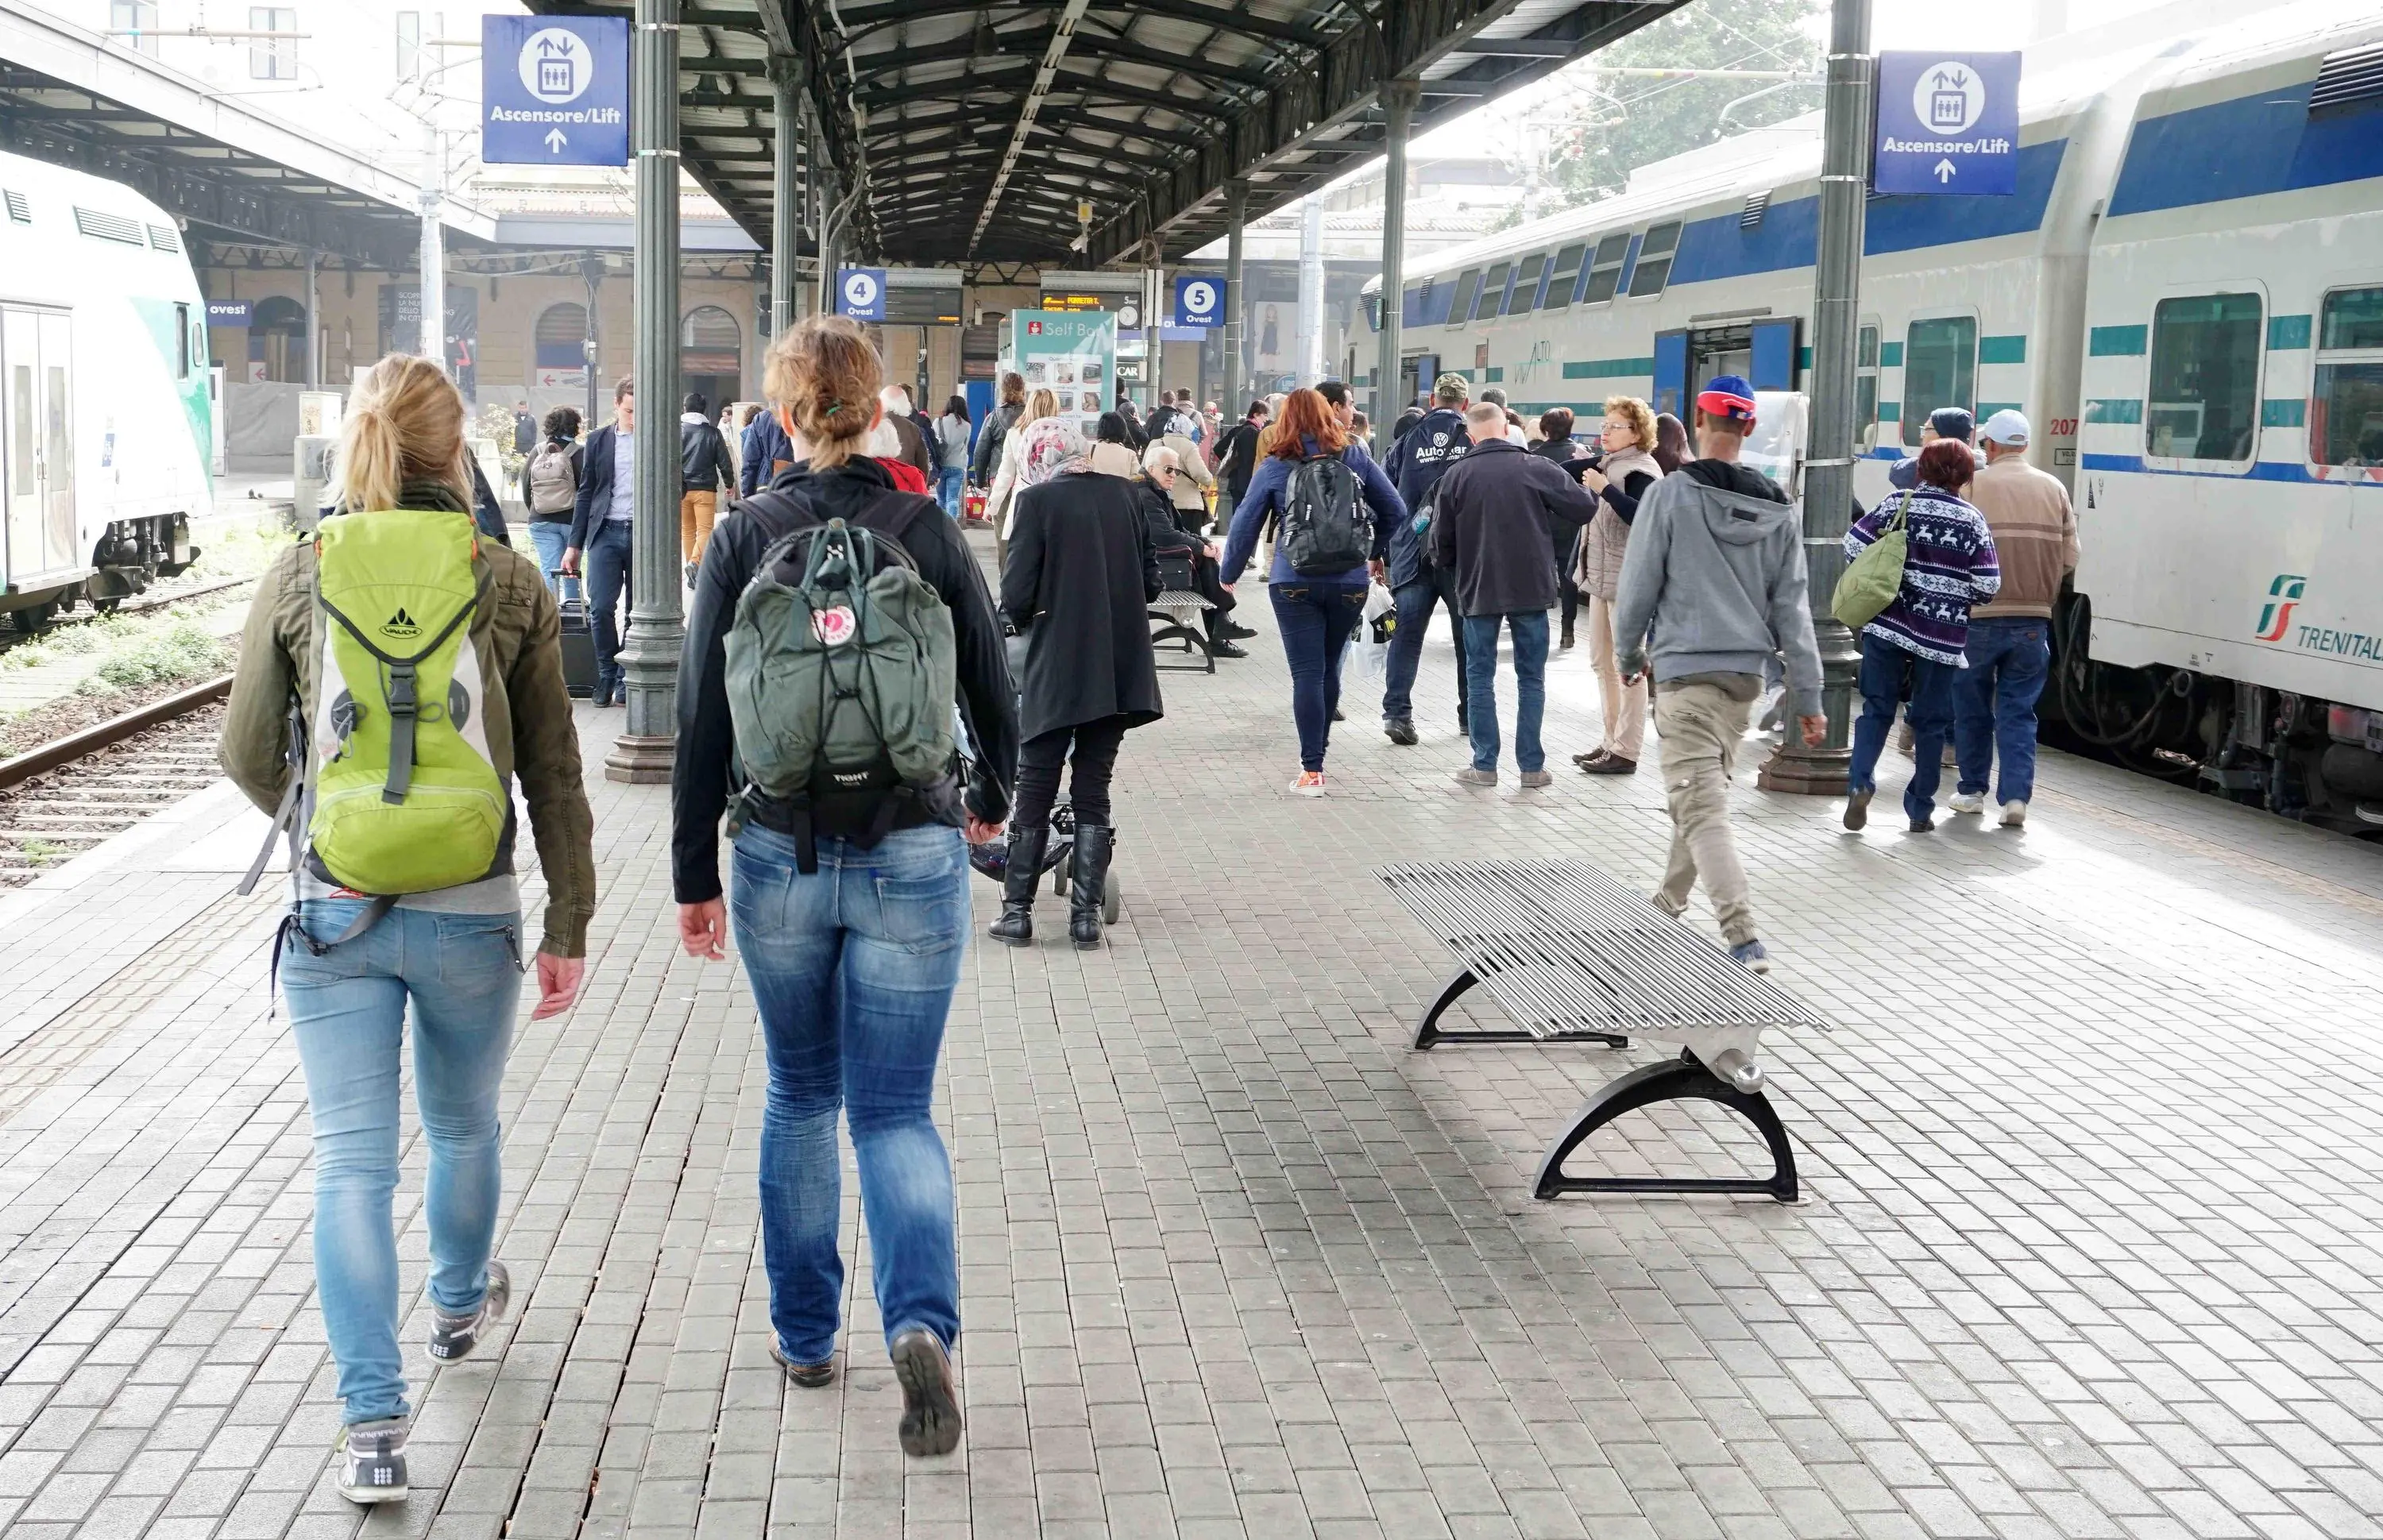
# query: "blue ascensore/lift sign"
{"points": [[554, 90], [1947, 123]]}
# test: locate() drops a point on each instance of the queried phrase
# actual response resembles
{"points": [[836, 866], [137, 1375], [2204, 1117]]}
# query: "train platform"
{"points": [[2087, 1244]]}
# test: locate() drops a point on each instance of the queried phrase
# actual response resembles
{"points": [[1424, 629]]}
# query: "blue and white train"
{"points": [[2186, 296], [105, 427]]}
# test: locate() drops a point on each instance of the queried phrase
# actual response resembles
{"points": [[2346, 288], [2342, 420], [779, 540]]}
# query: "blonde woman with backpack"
{"points": [[397, 603], [848, 886]]}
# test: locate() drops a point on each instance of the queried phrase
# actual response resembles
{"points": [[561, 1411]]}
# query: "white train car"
{"points": [[105, 428], [2186, 296]]}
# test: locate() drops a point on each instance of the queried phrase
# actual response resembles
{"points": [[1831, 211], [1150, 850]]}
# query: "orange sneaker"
{"points": [[1310, 783]]}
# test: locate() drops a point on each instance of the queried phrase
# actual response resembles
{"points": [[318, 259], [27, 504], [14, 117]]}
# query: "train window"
{"points": [[1527, 283], [20, 418], [1493, 293], [1866, 386], [1605, 268], [1567, 273], [1654, 268], [2347, 427], [182, 341], [1940, 368], [1460, 310], [2202, 400]]}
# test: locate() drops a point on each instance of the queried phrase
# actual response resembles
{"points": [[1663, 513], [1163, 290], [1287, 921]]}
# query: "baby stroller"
{"points": [[992, 860]]}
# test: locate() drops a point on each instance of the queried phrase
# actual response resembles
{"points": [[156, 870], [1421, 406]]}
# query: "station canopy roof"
{"points": [[981, 128]]}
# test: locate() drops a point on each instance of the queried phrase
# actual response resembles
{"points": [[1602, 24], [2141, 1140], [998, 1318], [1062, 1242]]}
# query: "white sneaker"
{"points": [[1967, 801], [2014, 815], [1310, 783]]}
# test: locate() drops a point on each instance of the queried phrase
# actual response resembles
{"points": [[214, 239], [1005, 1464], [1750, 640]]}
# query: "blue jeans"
{"points": [[551, 540], [853, 969], [462, 974], [950, 483], [1415, 601], [607, 564], [1887, 671], [1530, 632], [1315, 619], [1994, 703]]}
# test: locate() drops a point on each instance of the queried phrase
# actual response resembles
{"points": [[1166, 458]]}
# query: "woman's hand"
{"points": [[976, 831], [558, 984], [703, 928], [1592, 478]]}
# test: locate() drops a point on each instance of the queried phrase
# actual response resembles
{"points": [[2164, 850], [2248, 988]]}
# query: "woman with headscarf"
{"points": [[1080, 576], [1043, 402]]}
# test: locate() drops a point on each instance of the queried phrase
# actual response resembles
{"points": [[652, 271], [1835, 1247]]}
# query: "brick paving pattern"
{"points": [[2089, 1249]]}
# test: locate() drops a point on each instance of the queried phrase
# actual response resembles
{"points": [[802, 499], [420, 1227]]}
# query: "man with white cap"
{"points": [[2009, 649]]}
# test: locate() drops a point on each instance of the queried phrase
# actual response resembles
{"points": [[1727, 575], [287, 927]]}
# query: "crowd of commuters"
{"points": [[847, 888]]}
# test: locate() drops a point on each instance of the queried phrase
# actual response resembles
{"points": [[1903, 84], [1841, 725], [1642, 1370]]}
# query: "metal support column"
{"points": [[1237, 207], [313, 375], [1829, 468], [1398, 99], [591, 271], [649, 658], [431, 292], [785, 200]]}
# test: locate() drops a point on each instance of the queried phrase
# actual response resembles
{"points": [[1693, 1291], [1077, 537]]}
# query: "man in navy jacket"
{"points": [[1402, 560], [600, 534]]}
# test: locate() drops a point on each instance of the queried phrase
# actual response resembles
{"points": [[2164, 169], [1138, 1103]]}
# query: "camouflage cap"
{"points": [[1453, 383]]}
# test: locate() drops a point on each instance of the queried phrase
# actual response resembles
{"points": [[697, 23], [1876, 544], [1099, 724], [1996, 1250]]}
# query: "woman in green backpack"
{"points": [[425, 665]]}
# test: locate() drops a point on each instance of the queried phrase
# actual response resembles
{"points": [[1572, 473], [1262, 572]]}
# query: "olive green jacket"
{"points": [[531, 736]]}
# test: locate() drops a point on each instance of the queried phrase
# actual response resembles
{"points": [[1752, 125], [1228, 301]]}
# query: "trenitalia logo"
{"points": [[2283, 596]]}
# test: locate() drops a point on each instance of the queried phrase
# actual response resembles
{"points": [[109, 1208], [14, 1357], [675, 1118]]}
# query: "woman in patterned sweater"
{"points": [[1912, 649]]}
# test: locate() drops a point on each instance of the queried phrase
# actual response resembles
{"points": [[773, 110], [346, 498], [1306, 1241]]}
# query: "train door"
{"points": [[37, 428]]}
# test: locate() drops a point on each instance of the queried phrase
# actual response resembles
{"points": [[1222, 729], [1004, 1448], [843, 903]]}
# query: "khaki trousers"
{"points": [[1624, 705], [1701, 727], [696, 512]]}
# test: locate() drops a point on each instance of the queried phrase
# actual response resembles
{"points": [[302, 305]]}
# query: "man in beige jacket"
{"points": [[2009, 648]]}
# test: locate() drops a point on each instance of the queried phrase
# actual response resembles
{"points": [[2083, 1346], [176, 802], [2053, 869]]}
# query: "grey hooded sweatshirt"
{"points": [[1716, 568]]}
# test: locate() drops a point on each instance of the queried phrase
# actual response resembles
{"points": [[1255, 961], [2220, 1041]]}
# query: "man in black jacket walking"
{"points": [[1236, 460], [1501, 512], [704, 468], [987, 457]]}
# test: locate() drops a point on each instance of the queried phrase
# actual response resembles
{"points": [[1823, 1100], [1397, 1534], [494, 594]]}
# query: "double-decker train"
{"points": [[2185, 295], [105, 427]]}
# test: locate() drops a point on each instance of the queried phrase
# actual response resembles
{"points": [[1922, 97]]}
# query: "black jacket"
{"points": [[1500, 509], [1237, 458], [987, 457], [1418, 460], [703, 461], [595, 501], [1081, 574], [699, 777]]}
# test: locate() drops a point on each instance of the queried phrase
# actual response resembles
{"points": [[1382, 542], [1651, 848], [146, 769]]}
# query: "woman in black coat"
{"points": [[1082, 573], [1569, 452]]}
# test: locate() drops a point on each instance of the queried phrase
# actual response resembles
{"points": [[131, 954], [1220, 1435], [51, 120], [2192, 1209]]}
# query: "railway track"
{"points": [[140, 604], [66, 795]]}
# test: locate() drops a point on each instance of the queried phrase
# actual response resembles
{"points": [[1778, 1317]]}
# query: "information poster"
{"points": [[1073, 355]]}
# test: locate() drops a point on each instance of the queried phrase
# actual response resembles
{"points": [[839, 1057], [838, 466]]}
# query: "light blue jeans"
{"points": [[1530, 632], [853, 969], [347, 1011], [551, 540], [951, 484]]}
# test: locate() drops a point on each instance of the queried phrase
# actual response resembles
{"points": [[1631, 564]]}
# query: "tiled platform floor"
{"points": [[2090, 1247]]}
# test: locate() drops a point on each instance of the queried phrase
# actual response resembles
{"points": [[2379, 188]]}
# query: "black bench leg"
{"points": [[1674, 1079], [1429, 1031]]}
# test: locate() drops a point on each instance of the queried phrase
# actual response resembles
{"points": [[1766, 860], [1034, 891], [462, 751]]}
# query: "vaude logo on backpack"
{"points": [[406, 795], [1325, 528], [840, 666]]}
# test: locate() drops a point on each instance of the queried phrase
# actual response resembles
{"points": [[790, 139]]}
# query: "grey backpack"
{"points": [[552, 487], [842, 668]]}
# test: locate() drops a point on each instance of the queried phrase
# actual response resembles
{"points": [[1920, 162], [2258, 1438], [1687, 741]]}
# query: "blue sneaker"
{"points": [[1750, 956]]}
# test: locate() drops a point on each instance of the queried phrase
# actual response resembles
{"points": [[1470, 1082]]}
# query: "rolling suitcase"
{"points": [[578, 650]]}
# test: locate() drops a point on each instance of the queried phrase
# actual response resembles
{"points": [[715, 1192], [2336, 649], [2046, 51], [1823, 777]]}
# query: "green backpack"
{"points": [[406, 798], [842, 671], [1871, 580]]}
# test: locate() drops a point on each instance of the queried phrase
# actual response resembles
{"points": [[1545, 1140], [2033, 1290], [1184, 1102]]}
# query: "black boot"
{"points": [[1016, 925], [1087, 883], [1220, 645]]}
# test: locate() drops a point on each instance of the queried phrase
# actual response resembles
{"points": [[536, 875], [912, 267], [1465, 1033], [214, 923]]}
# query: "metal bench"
{"points": [[1177, 609], [1571, 954]]}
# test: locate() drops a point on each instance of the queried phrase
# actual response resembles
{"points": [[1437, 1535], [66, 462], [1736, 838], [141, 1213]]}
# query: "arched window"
{"points": [[711, 355], [558, 346], [276, 338]]}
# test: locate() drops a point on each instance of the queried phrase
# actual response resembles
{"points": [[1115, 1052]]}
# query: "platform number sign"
{"points": [[863, 292], [554, 90], [1199, 301], [1947, 124]]}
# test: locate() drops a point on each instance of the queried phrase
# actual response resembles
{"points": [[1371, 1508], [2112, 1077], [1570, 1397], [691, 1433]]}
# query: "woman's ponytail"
{"points": [[405, 422]]}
